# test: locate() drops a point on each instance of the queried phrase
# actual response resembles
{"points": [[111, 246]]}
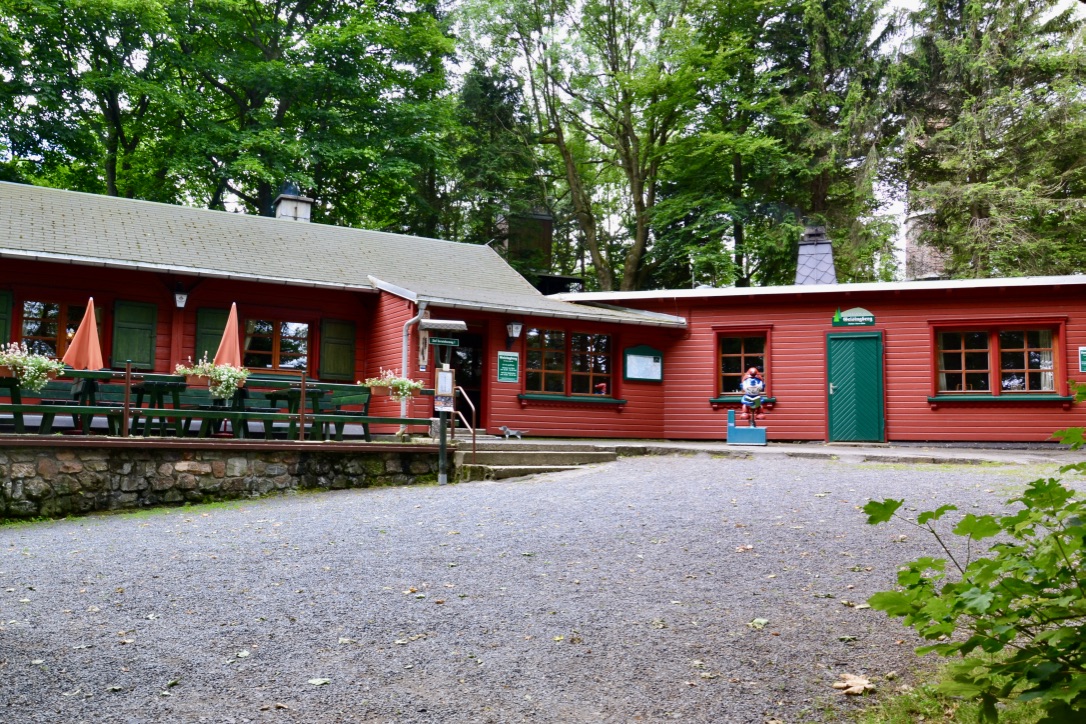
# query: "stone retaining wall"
{"points": [[55, 482]]}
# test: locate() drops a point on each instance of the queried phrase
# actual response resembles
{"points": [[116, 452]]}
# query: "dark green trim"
{"points": [[1001, 398], [588, 399], [337, 349], [135, 332], [5, 317], [736, 399], [210, 324]]}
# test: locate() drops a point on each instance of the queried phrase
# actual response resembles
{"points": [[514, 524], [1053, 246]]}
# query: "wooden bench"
{"points": [[343, 397]]}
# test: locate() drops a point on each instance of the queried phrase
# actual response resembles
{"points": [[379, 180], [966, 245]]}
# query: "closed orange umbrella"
{"points": [[85, 351], [229, 352]]}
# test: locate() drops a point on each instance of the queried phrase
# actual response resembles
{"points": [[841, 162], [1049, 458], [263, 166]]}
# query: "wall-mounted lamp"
{"points": [[513, 330], [180, 296]]}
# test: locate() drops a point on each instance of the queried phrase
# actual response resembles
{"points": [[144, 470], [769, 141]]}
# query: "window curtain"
{"points": [[1048, 372]]}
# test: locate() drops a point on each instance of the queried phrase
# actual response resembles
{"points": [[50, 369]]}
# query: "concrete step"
{"points": [[552, 456], [464, 443], [469, 473]]}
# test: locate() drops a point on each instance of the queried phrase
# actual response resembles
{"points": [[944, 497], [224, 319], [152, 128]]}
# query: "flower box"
{"points": [[204, 381]]}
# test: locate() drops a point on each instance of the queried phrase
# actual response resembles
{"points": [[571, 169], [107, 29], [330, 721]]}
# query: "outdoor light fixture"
{"points": [[513, 330], [180, 296]]}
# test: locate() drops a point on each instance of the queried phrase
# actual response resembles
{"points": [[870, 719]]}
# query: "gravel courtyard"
{"points": [[623, 592]]}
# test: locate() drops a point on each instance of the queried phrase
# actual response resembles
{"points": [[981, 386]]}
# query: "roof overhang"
{"points": [[811, 289], [629, 316], [80, 260]]}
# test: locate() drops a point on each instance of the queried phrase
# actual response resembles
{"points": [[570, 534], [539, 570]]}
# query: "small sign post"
{"points": [[509, 367]]}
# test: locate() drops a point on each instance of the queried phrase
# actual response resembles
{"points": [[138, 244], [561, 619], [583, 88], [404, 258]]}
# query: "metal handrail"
{"points": [[464, 395]]}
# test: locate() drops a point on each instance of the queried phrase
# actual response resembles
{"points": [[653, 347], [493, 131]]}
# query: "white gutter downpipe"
{"points": [[405, 357]]}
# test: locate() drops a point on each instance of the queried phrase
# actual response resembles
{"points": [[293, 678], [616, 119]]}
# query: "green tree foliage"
{"points": [[221, 100], [674, 142], [609, 90], [992, 94], [497, 171]]}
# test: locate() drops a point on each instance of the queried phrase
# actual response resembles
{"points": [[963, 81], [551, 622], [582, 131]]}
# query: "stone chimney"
{"points": [[815, 258], [291, 205]]}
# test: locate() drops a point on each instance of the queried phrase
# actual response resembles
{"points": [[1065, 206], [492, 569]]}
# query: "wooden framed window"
{"points": [[568, 363], [590, 364], [545, 361], [994, 361], [48, 327], [276, 344], [737, 354]]}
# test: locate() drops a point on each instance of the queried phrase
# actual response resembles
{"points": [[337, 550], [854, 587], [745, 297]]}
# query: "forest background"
{"points": [[674, 142]]}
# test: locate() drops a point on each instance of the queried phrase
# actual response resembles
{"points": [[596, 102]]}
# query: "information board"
{"points": [[643, 363], [444, 392], [508, 367], [1082, 359]]}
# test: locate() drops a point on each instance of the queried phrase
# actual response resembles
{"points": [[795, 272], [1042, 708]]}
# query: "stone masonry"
{"points": [[52, 482]]}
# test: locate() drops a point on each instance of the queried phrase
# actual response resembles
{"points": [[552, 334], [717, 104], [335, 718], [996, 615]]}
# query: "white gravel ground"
{"points": [[617, 593]]}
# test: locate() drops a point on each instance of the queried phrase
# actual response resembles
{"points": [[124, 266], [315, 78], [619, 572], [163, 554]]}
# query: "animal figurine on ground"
{"points": [[508, 432]]}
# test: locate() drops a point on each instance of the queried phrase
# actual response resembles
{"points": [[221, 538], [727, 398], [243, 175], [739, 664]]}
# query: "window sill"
{"points": [[718, 402], [1010, 398], [569, 399]]}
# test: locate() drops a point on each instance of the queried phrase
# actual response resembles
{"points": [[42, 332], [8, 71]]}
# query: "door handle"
{"points": [[832, 388]]}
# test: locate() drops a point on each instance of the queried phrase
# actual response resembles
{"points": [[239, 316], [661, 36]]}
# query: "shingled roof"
{"points": [[87, 229]]}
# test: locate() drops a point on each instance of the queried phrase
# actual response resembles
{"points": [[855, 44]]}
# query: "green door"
{"points": [[854, 374]]}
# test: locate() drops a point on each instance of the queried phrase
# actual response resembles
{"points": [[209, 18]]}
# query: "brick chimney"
{"points": [[815, 258], [291, 205]]}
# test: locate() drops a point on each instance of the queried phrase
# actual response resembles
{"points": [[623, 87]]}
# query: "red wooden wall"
{"points": [[72, 284], [796, 374], [797, 324]]}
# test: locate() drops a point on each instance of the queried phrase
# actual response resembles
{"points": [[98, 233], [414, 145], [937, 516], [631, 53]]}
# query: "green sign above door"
{"points": [[855, 317]]}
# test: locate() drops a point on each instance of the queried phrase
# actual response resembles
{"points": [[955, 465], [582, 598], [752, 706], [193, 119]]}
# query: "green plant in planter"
{"points": [[222, 380], [31, 369], [399, 388]]}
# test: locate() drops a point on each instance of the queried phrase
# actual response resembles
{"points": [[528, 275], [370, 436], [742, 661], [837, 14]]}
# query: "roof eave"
{"points": [[649, 320], [79, 260]]}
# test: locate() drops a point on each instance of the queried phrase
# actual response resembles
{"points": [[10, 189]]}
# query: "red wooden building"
{"points": [[957, 360], [967, 360]]}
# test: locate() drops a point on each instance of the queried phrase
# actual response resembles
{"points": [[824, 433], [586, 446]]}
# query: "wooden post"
{"points": [[127, 398], [301, 410]]}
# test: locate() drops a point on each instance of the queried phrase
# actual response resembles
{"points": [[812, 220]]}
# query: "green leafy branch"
{"points": [[1025, 600]]}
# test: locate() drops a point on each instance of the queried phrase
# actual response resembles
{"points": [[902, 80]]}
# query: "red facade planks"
{"points": [[796, 323], [797, 372], [70, 284], [641, 416]]}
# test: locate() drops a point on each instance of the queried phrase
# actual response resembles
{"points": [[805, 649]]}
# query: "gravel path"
{"points": [[616, 593]]}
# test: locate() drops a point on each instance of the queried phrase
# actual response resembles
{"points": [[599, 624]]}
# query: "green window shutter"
{"points": [[134, 334], [210, 324], [337, 350], [5, 317]]}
